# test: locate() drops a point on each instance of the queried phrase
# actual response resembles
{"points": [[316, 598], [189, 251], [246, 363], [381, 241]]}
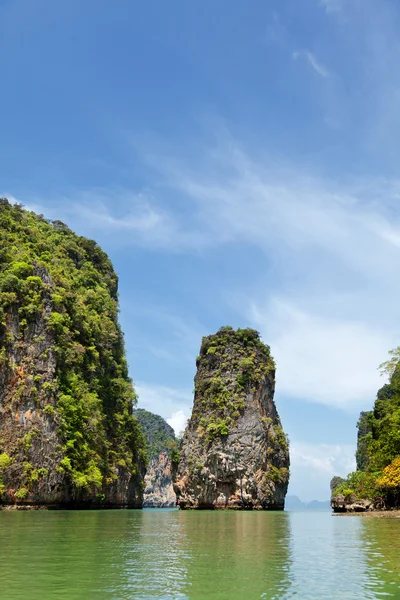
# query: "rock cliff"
{"points": [[234, 453], [376, 482], [161, 445], [67, 433]]}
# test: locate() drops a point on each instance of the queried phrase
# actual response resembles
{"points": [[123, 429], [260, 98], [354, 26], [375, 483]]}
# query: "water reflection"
{"points": [[236, 555], [163, 554], [152, 564], [336, 557], [380, 539]]}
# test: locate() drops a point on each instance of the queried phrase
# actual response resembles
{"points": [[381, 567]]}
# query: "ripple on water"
{"points": [[168, 554]]}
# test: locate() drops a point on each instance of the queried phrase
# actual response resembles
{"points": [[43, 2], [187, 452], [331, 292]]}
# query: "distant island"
{"points": [[294, 503]]}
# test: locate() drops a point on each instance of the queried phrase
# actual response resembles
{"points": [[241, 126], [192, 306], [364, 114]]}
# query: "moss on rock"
{"points": [[234, 452], [65, 394]]}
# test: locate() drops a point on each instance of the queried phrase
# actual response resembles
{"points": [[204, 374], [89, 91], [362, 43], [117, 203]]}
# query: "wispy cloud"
{"points": [[332, 5], [165, 401], [330, 360], [317, 464], [125, 216], [275, 32], [366, 52], [339, 246], [318, 67], [331, 314]]}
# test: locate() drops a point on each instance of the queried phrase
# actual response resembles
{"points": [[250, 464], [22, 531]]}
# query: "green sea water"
{"points": [[197, 555]]}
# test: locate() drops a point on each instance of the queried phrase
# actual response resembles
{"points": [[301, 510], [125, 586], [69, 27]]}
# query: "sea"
{"points": [[171, 554]]}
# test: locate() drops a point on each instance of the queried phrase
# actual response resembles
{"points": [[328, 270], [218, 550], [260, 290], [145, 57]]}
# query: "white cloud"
{"points": [[330, 313], [178, 421], [314, 465], [329, 459], [331, 361], [318, 67], [124, 216], [165, 401], [336, 247]]}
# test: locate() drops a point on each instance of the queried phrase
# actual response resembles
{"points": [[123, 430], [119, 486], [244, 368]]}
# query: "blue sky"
{"points": [[239, 163]]}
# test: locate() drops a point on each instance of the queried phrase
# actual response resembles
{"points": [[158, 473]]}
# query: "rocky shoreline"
{"points": [[376, 514]]}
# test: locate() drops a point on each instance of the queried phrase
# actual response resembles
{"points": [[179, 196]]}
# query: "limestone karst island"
{"points": [[70, 436], [67, 433], [234, 453], [375, 485]]}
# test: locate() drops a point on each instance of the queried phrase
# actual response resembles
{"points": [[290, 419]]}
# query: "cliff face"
{"points": [[158, 492], [376, 483], [67, 433], [161, 445], [234, 453]]}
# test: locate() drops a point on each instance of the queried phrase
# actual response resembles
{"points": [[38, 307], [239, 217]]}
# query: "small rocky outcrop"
{"points": [[67, 433], [161, 446], [234, 453], [343, 504]]}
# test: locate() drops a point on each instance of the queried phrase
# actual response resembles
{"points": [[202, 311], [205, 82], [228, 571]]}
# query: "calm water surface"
{"points": [[191, 555]]}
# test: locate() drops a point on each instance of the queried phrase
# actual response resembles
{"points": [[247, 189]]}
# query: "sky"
{"points": [[239, 164]]}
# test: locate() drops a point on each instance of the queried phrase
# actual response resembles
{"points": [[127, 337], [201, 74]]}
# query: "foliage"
{"points": [[278, 475], [390, 478], [378, 447], [382, 441], [232, 363], [358, 484], [389, 366], [5, 461], [43, 263], [336, 481], [364, 437], [173, 450], [159, 436]]}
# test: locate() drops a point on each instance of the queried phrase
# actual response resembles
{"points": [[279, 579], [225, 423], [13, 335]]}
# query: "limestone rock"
{"points": [[161, 444], [67, 433], [340, 504], [234, 453], [158, 491]]}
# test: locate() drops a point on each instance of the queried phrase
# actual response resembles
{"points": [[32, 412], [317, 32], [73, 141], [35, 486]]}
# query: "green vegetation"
{"points": [[378, 449], [159, 436], [50, 274], [232, 363], [364, 437], [5, 461]]}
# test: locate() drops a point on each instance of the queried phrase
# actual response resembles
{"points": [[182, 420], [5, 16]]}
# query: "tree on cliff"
{"points": [[65, 394], [234, 453], [378, 447], [159, 436]]}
